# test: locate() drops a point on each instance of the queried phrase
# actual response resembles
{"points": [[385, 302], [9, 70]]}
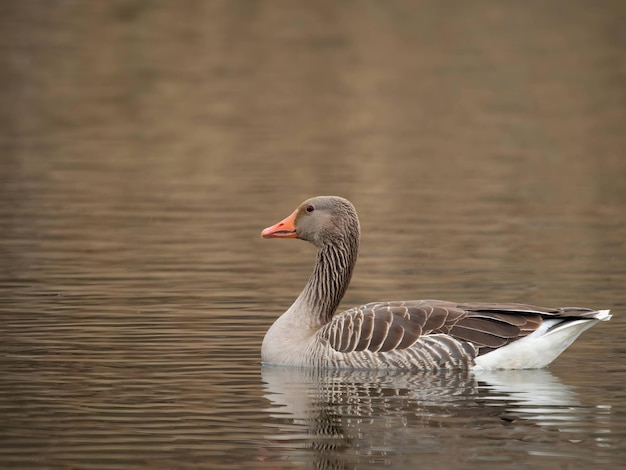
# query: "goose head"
{"points": [[321, 220]]}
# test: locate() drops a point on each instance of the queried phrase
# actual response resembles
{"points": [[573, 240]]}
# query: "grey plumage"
{"points": [[417, 334]]}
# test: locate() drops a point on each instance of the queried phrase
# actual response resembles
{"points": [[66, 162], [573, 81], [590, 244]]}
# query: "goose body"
{"points": [[416, 334]]}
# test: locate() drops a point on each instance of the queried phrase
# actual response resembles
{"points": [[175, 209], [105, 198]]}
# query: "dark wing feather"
{"points": [[490, 326], [387, 326], [482, 332], [364, 335], [383, 319]]}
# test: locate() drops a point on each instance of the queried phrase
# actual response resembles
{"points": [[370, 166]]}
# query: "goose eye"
{"points": [[310, 208]]}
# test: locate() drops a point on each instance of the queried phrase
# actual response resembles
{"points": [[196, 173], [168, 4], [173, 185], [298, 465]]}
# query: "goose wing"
{"points": [[388, 326]]}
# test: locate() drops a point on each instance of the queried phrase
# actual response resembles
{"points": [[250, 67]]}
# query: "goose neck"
{"points": [[328, 282]]}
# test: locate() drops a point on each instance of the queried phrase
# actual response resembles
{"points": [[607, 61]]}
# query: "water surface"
{"points": [[145, 145]]}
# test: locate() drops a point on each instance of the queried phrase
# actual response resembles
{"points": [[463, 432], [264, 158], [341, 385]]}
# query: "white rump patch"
{"points": [[541, 347]]}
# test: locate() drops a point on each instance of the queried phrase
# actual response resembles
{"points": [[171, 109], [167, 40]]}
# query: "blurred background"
{"points": [[144, 145]]}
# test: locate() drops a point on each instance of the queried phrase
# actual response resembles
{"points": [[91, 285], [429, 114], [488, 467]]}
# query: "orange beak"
{"points": [[284, 229]]}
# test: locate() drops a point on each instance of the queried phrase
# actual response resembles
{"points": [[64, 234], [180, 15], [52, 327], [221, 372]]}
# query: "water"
{"points": [[145, 145]]}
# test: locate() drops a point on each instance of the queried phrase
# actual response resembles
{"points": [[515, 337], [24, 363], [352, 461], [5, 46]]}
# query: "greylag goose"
{"points": [[414, 334]]}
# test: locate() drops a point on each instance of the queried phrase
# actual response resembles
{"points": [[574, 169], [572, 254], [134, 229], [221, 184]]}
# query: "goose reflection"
{"points": [[338, 419]]}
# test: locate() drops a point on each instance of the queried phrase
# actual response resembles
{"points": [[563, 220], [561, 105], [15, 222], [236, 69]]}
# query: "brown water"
{"points": [[144, 145]]}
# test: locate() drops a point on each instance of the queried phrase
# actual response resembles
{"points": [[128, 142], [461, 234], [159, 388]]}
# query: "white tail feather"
{"points": [[603, 315], [543, 346]]}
